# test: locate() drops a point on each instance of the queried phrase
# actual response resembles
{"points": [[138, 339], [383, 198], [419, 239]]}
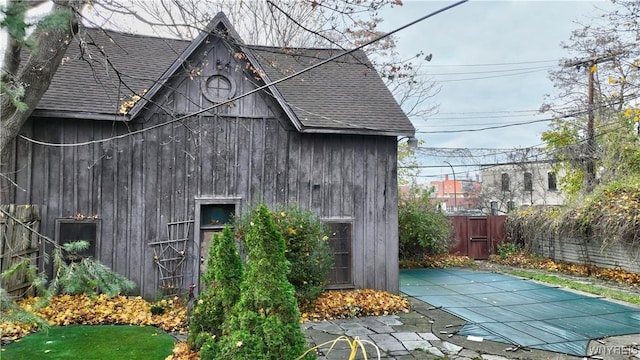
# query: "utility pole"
{"points": [[455, 192], [591, 65]]}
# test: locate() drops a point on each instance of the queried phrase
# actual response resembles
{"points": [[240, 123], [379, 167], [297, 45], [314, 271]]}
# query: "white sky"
{"points": [[488, 32]]}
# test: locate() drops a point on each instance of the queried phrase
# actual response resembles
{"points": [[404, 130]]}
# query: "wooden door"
{"points": [[478, 233]]}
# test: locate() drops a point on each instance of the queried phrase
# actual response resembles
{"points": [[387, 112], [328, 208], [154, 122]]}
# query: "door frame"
{"points": [[198, 227]]}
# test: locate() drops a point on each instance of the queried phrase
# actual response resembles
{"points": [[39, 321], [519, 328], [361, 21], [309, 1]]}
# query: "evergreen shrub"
{"points": [[265, 323], [221, 291]]}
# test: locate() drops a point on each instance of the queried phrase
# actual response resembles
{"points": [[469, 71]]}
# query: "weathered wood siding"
{"points": [[139, 183], [18, 243]]}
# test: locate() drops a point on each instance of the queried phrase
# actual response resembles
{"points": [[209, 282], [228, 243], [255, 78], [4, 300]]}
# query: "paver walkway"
{"points": [[429, 333], [391, 343]]}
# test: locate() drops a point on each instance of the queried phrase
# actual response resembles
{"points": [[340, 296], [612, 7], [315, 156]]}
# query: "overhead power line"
{"points": [[490, 71], [496, 64], [486, 128], [492, 77]]}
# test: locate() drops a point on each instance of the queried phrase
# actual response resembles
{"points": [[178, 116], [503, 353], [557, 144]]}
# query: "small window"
{"points": [[216, 215], [340, 243], [551, 177], [71, 230], [218, 88], [494, 208], [528, 181], [505, 182]]}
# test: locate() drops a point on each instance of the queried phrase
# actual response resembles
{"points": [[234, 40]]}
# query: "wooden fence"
{"points": [[18, 243], [477, 236]]}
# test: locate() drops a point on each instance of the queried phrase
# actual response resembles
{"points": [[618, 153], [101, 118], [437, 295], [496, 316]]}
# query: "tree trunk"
{"points": [[38, 71]]}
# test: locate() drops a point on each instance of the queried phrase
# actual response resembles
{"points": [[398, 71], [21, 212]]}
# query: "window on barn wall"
{"points": [[551, 179], [528, 181], [215, 216], [340, 242], [71, 230], [504, 184]]}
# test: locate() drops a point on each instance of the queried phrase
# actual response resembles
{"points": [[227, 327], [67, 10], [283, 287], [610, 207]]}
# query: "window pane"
{"points": [[71, 231], [528, 182], [505, 182], [216, 214], [552, 180], [340, 243]]}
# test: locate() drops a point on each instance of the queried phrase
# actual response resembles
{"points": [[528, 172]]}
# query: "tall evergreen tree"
{"points": [[221, 290], [265, 323]]}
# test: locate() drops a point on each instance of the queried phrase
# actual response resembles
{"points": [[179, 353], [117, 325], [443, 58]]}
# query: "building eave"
{"points": [[80, 115]]}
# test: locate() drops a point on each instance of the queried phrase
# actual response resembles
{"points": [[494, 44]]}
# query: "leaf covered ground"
{"points": [[438, 261], [528, 261], [355, 303], [65, 310], [81, 309]]}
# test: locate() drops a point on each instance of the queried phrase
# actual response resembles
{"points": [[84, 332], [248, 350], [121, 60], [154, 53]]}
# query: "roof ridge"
{"points": [[130, 34], [250, 46], [258, 47]]}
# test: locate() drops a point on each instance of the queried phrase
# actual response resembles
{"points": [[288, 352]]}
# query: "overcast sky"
{"points": [[522, 41], [491, 60]]}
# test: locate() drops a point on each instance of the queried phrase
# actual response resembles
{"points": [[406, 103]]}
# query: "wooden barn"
{"points": [[148, 179]]}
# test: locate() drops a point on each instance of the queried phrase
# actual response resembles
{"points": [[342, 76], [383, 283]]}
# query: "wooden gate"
{"points": [[18, 243], [477, 236]]}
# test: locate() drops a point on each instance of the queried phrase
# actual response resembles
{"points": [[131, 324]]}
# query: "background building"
{"points": [[457, 196], [512, 185]]}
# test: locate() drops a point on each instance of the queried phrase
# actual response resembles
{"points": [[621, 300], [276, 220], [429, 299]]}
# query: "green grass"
{"points": [[92, 342], [575, 285]]}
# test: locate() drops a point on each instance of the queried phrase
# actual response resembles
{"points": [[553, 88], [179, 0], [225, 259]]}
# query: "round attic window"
{"points": [[218, 88]]}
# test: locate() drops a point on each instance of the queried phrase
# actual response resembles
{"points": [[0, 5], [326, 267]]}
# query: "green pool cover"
{"points": [[520, 312]]}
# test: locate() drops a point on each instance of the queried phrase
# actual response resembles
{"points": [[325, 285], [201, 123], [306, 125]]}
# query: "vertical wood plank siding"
{"points": [[137, 184], [140, 183]]}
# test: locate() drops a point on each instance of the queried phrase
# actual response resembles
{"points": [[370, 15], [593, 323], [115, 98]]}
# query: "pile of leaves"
{"points": [[355, 303], [439, 261], [529, 261], [94, 310], [182, 351]]}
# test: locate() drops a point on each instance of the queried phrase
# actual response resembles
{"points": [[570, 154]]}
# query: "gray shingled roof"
{"points": [[343, 96], [84, 83]]}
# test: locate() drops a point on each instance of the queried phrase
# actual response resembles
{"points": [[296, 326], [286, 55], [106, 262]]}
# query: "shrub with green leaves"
{"points": [[422, 228], [265, 323], [221, 290], [307, 250], [508, 249]]}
